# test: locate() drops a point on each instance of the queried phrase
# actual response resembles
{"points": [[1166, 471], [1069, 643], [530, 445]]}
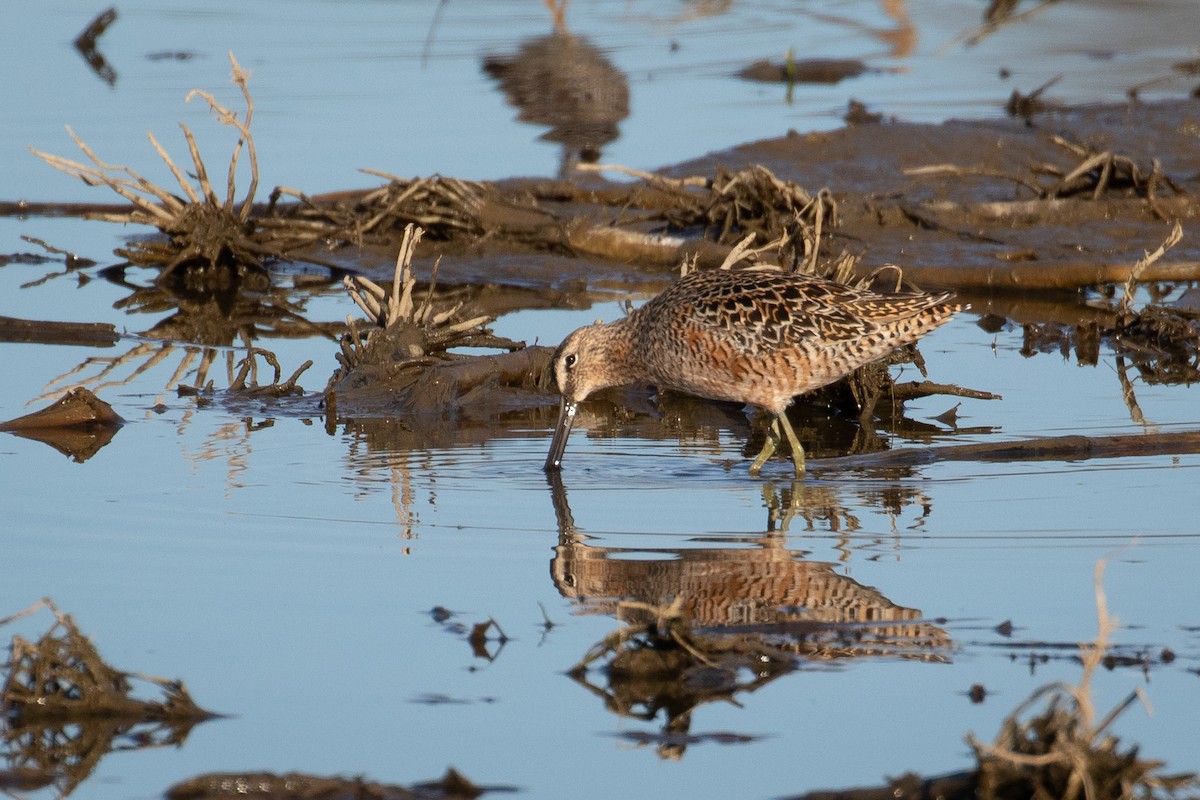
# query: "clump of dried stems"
{"points": [[660, 638], [1097, 174], [203, 229], [1062, 751], [62, 676], [413, 330], [62, 707]]}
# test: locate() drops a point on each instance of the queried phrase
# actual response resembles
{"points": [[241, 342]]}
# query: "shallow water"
{"points": [[286, 574]]}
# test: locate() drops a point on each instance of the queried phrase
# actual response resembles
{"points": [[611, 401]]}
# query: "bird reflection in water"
{"points": [[563, 81], [706, 624]]}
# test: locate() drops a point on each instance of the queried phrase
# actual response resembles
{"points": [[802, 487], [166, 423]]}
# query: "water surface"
{"points": [[286, 574]]}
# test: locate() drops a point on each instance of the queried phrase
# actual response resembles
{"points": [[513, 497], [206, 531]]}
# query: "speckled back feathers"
{"points": [[753, 336]]}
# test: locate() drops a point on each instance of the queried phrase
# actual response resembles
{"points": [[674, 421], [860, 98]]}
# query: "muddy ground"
{"points": [[1036, 221], [994, 217]]}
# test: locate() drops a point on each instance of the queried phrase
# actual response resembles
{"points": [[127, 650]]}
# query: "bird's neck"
{"points": [[619, 341]]}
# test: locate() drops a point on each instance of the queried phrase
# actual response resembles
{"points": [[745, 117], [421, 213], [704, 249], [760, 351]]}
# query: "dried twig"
{"points": [[649, 177], [1173, 238], [1062, 751]]}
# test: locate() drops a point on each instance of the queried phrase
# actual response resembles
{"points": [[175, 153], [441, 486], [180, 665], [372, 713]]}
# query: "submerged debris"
{"points": [[660, 640], [204, 232], [659, 663], [1062, 751], [248, 370], [405, 363], [300, 786], [78, 424], [673, 658], [63, 707]]}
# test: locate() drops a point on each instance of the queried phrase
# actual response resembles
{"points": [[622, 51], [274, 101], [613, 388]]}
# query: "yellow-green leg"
{"points": [[794, 442], [768, 448], [779, 428]]}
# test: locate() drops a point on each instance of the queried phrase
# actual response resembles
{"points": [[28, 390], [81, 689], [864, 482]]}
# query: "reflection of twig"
{"points": [[109, 364], [150, 355], [85, 43], [72, 261], [403, 500], [1127, 395], [428, 46]]}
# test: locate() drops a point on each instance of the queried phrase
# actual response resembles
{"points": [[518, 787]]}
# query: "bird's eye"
{"points": [[569, 360]]}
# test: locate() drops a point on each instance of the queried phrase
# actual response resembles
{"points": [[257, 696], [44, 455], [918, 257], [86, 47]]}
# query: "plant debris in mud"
{"points": [[662, 660], [405, 362], [63, 678], [562, 217], [1062, 751], [1097, 173], [205, 234], [661, 221], [248, 370], [63, 707], [300, 786], [408, 364], [78, 424]]}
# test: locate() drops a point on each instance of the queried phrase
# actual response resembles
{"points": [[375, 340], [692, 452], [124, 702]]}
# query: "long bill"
{"points": [[562, 429]]}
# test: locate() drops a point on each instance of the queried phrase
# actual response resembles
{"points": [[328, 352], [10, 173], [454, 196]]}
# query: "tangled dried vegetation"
{"points": [[203, 230], [748, 215], [62, 707], [1096, 174], [206, 232], [405, 363], [208, 238], [1062, 751]]}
